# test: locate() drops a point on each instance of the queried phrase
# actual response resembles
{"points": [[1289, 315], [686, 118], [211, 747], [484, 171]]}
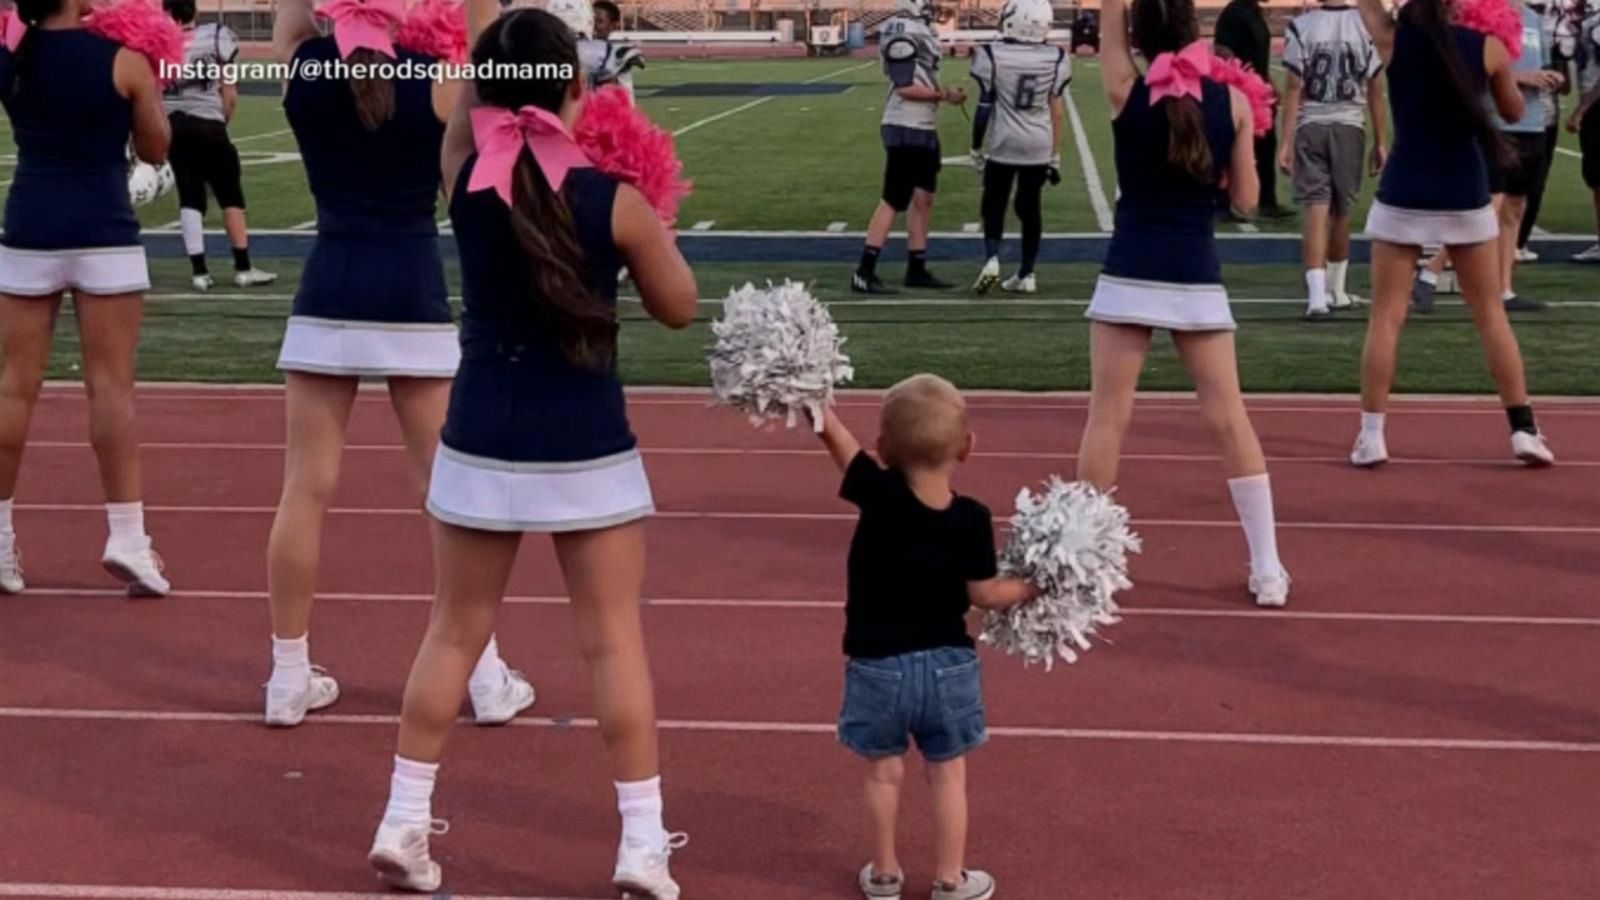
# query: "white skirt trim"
{"points": [[92, 270], [399, 349], [497, 495], [1425, 227], [1159, 304]]}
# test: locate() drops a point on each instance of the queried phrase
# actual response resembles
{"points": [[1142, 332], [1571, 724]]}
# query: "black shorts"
{"points": [[201, 157], [1589, 143], [1529, 158], [909, 169]]}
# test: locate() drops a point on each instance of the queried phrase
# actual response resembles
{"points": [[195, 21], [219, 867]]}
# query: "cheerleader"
{"points": [[1435, 190], [74, 99], [537, 438], [371, 303], [1179, 137]]}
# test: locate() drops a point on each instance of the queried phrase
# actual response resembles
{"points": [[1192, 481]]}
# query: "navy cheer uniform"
{"points": [[532, 441], [68, 219], [1435, 187], [372, 300], [1161, 269]]}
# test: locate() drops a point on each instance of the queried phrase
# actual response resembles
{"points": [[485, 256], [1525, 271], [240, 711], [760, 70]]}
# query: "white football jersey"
{"points": [[908, 48], [1022, 79], [1331, 53], [210, 45]]}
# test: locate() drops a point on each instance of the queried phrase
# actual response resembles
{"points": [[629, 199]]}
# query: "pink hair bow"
{"points": [[1178, 74], [359, 24], [500, 135], [14, 29]]}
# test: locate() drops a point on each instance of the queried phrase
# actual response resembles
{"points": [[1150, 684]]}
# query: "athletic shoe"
{"points": [[501, 703], [287, 707], [1591, 255], [1524, 255], [642, 871], [1342, 301], [1370, 450], [1517, 303], [400, 855], [988, 276], [975, 885], [881, 887], [1271, 592], [927, 280], [253, 278], [203, 282], [870, 284], [1422, 296], [1532, 449], [138, 566], [1316, 312], [1020, 284], [10, 565]]}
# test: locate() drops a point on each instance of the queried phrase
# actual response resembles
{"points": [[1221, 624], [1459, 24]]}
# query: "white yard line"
{"points": [[837, 227], [304, 226], [1091, 170], [1565, 152], [701, 123], [263, 136]]}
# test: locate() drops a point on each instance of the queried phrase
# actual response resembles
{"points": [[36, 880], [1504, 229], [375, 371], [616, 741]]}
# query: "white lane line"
{"points": [[719, 515], [1143, 612], [129, 892], [701, 123], [261, 137], [1091, 170], [724, 726]]}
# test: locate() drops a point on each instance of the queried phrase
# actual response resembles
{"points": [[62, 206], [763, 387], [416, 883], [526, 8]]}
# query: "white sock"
{"points": [[5, 517], [194, 236], [1507, 295], [639, 802], [1252, 500], [1372, 423], [1317, 287], [490, 672], [1429, 276], [291, 663], [126, 521], [411, 792], [1337, 272]]}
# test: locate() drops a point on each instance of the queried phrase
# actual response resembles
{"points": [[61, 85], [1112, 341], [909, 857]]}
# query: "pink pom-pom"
{"points": [[623, 143], [143, 28], [1237, 74], [436, 28], [1495, 18]]}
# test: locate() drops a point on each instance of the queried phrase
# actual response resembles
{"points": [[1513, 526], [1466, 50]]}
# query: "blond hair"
{"points": [[923, 422]]}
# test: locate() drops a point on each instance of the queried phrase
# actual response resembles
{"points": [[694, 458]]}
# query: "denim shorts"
{"points": [[932, 696]]}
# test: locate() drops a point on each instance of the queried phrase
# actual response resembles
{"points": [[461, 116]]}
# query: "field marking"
{"points": [[1143, 612], [1249, 228], [970, 227], [837, 227], [303, 226], [700, 123], [703, 225], [127, 892], [1565, 152], [727, 726], [1091, 170], [263, 136], [791, 234], [730, 515]]}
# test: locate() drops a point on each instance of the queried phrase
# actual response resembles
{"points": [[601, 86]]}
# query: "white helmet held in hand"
{"points": [[916, 9], [578, 15], [1028, 21]]}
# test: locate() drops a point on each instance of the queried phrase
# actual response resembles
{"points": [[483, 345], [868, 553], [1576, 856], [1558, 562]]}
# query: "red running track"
{"points": [[1421, 723]]}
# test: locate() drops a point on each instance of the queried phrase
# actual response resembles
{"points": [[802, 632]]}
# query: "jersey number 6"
{"points": [[1027, 92]]}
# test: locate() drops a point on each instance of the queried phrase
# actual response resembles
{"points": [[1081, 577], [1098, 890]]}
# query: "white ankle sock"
{"points": [[291, 662], [1337, 272], [639, 802], [1317, 287], [126, 521], [5, 517], [1372, 423], [411, 793], [490, 672], [1252, 500]]}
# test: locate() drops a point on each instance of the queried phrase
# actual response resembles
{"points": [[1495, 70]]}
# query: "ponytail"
{"points": [[31, 12], [543, 224], [1433, 17], [374, 97], [1187, 146]]}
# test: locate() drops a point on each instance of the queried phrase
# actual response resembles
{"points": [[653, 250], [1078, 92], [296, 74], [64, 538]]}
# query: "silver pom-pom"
{"points": [[777, 354], [1072, 541]]}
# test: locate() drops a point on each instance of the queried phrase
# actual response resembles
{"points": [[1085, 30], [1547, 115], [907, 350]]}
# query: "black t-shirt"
{"points": [[909, 565], [1242, 29]]}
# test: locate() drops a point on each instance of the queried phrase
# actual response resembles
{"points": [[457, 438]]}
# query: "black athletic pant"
{"points": [[997, 181], [1267, 168], [1530, 218]]}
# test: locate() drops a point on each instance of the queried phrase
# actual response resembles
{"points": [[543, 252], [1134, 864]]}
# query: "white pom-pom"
{"points": [[147, 182], [777, 354], [1072, 541]]}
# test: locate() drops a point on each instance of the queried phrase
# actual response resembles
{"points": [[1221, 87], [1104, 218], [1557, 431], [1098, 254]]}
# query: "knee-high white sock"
{"points": [[1337, 273], [1316, 287], [490, 672], [411, 793], [1252, 500], [194, 235], [639, 802], [5, 517], [1372, 423], [126, 521], [291, 663]]}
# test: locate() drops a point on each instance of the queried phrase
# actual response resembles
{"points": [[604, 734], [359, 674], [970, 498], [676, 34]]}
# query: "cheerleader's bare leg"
{"points": [[1477, 267], [26, 327], [1116, 356], [1393, 269]]}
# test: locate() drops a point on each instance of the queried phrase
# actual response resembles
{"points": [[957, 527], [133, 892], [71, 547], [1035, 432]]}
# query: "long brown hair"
{"points": [[1167, 26], [1434, 18], [374, 96], [31, 12], [541, 216]]}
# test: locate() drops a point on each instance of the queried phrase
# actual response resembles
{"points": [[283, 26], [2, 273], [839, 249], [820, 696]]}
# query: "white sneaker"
{"points": [[10, 565], [1020, 284], [287, 707], [203, 282], [1524, 255], [501, 703], [1338, 300], [253, 278], [1271, 592], [400, 855], [1531, 449], [138, 566], [1591, 255], [988, 276], [1315, 311], [642, 871], [1370, 450]]}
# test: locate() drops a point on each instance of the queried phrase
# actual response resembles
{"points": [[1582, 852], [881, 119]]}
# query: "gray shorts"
{"points": [[1328, 163]]}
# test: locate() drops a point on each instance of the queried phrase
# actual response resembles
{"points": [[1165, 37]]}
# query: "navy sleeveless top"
{"points": [[72, 129], [1166, 220], [1437, 162], [516, 396]]}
